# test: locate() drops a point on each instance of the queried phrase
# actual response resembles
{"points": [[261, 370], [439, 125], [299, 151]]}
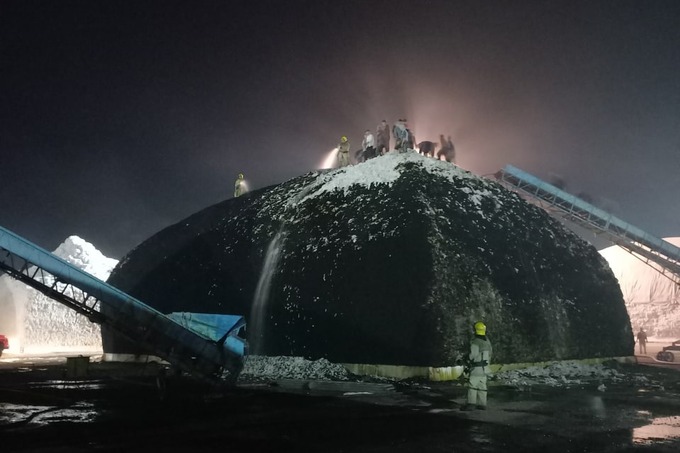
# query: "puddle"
{"points": [[11, 414], [661, 428], [480, 437], [61, 385], [440, 411]]}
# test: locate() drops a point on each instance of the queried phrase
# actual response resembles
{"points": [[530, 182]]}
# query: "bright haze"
{"points": [[118, 119]]}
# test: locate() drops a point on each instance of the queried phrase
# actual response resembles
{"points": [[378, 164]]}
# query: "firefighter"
{"points": [[240, 186], [410, 138], [383, 138], [642, 340], [343, 152], [368, 146], [427, 148], [447, 149], [478, 362], [401, 135]]}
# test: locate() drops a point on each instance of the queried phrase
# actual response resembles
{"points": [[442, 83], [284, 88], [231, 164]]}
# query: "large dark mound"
{"points": [[390, 262]]}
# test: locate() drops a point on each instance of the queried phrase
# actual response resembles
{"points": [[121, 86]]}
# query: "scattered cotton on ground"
{"points": [[273, 368], [565, 374], [558, 374]]}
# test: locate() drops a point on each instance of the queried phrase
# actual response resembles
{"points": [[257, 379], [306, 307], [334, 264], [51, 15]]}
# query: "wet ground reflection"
{"points": [[660, 428], [21, 414], [68, 384], [41, 410]]}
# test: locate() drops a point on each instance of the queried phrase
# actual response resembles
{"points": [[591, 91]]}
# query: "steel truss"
{"points": [[153, 331], [660, 255]]}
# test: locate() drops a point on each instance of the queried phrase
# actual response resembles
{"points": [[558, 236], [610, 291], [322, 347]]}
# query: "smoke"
{"points": [[491, 122]]}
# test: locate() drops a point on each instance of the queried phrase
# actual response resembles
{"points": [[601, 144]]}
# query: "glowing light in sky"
{"points": [[331, 159]]}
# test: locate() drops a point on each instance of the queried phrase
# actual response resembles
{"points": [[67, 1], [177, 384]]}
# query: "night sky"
{"points": [[118, 119]]}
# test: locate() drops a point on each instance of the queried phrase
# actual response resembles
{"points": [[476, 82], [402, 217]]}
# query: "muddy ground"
{"points": [[121, 408]]}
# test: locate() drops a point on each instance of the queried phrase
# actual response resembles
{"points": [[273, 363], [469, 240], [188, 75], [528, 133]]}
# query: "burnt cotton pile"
{"points": [[387, 262]]}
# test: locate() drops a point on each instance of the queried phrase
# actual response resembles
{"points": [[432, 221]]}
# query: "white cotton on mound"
{"points": [[41, 324], [85, 256], [381, 170]]}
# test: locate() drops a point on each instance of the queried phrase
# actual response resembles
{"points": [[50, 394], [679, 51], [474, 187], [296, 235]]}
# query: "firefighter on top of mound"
{"points": [[382, 133], [403, 136], [240, 186], [368, 147], [427, 148], [379, 144], [447, 149], [343, 152], [477, 368]]}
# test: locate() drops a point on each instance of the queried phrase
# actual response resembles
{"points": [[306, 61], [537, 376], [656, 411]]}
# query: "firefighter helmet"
{"points": [[480, 328]]}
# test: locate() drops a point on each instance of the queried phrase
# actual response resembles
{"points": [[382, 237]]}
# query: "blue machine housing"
{"points": [[223, 329]]}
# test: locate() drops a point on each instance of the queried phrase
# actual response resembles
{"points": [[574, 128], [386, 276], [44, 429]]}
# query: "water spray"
{"points": [[331, 159]]}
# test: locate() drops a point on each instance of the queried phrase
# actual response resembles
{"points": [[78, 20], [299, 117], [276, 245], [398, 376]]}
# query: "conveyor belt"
{"points": [[202, 357], [657, 253]]}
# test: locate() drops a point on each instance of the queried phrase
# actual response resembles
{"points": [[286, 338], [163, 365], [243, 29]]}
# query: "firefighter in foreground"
{"points": [[478, 365]]}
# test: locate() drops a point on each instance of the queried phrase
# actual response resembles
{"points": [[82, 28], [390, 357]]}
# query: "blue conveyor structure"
{"points": [[655, 252], [215, 361]]}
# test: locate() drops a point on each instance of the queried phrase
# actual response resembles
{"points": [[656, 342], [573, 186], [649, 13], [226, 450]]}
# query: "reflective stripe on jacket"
{"points": [[480, 353]]}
